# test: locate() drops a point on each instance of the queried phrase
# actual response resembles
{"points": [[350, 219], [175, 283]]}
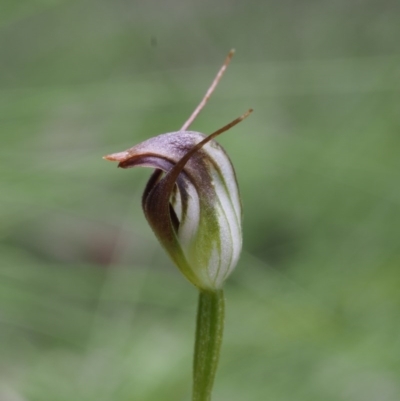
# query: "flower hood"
{"points": [[192, 203]]}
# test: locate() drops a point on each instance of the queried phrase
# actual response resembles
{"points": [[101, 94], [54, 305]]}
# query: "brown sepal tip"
{"points": [[117, 157]]}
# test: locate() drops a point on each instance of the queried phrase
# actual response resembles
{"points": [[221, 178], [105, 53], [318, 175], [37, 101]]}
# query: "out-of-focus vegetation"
{"points": [[90, 307]]}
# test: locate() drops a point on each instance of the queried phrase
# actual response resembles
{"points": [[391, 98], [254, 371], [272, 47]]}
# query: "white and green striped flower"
{"points": [[191, 202]]}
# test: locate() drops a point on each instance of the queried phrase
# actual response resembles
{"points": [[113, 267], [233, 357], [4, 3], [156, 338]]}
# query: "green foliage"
{"points": [[91, 308]]}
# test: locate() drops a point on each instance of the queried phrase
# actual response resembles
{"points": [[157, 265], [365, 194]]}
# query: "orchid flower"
{"points": [[191, 202]]}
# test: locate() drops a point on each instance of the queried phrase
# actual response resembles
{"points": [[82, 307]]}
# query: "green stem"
{"points": [[209, 330]]}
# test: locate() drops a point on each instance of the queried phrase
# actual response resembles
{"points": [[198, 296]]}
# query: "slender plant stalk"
{"points": [[209, 331]]}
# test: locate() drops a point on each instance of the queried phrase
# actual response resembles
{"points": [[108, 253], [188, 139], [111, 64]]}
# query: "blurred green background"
{"points": [[91, 309]]}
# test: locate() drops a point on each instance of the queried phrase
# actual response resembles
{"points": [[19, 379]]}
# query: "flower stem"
{"points": [[209, 330]]}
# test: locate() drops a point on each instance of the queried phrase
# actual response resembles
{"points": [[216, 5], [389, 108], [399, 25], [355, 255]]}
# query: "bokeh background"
{"points": [[91, 309]]}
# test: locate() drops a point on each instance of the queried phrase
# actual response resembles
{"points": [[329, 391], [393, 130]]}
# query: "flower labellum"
{"points": [[191, 202]]}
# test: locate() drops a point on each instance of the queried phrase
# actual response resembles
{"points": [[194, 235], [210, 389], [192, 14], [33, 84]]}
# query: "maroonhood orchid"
{"points": [[191, 202]]}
